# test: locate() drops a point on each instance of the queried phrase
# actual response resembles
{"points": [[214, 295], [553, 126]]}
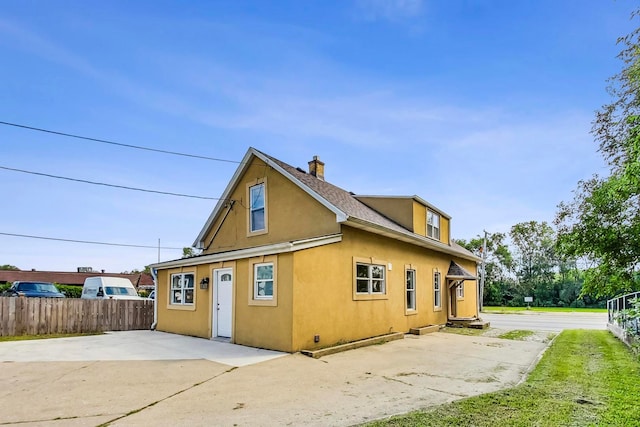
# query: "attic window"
{"points": [[433, 225], [257, 208]]}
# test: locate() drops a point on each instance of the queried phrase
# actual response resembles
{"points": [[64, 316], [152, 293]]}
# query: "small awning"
{"points": [[458, 273]]}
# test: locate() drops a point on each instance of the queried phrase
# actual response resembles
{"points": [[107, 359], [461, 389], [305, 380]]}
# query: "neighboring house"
{"points": [[290, 262], [139, 280]]}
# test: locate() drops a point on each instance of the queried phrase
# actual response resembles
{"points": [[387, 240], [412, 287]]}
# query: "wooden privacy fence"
{"points": [[40, 316]]}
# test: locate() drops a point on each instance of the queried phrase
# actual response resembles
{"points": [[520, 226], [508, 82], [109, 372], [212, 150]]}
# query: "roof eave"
{"points": [[244, 164], [246, 160], [276, 248], [409, 237], [462, 277]]}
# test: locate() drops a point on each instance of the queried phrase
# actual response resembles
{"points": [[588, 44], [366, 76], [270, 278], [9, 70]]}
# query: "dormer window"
{"points": [[433, 225], [257, 210]]}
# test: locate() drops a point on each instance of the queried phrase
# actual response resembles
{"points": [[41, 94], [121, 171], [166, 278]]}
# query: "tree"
{"points": [[146, 269], [498, 267], [602, 223], [535, 261], [9, 267], [188, 252]]}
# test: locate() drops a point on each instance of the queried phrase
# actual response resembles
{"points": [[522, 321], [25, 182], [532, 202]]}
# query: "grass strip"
{"points": [[517, 335], [44, 337], [586, 377]]}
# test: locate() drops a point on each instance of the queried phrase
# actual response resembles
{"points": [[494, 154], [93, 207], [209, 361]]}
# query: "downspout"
{"points": [[154, 274]]}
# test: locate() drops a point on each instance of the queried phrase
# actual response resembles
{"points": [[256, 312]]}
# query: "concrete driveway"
{"points": [[133, 345], [340, 389]]}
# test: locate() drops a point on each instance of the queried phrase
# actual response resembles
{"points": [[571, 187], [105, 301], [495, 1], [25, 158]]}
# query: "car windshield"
{"points": [[38, 287], [119, 290]]}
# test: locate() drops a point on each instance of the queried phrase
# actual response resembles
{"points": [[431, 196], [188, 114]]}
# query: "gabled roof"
{"points": [[456, 272], [345, 205]]}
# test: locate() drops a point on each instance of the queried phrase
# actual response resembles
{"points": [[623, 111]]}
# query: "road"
{"points": [[552, 322]]}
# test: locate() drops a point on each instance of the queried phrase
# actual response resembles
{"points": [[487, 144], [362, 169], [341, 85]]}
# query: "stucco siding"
{"points": [[265, 326], [290, 213], [468, 305], [419, 219], [398, 209], [186, 320], [444, 230], [324, 297]]}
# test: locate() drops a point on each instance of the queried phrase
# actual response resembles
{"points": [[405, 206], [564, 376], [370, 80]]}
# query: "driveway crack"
{"points": [[135, 411]]}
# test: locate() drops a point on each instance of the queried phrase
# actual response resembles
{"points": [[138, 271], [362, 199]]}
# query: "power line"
{"points": [[108, 185], [87, 241], [119, 144]]}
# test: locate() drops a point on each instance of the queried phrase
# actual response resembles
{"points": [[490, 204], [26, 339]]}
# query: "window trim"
{"points": [[435, 228], [183, 305], [262, 182], [369, 295], [460, 291], [408, 270], [254, 300], [437, 290], [256, 281]]}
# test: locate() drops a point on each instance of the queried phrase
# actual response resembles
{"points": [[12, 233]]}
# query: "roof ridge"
{"points": [[317, 184]]}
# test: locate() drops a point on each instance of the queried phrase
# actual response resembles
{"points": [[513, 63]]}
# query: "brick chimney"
{"points": [[316, 168]]}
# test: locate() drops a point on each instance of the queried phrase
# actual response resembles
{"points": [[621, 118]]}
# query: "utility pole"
{"points": [[484, 270], [158, 250]]}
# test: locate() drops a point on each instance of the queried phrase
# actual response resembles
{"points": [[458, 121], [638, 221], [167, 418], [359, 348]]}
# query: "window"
{"points": [[411, 289], [433, 225], [257, 208], [436, 289], [460, 290], [370, 279], [182, 289], [263, 281]]}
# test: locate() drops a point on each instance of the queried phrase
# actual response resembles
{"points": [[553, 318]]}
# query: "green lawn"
{"points": [[585, 378], [543, 309]]}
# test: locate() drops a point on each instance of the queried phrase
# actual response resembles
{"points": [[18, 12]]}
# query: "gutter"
{"points": [[409, 238], [276, 248]]}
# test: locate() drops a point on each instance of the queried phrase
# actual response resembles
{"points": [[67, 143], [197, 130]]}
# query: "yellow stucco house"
{"points": [[291, 262]]}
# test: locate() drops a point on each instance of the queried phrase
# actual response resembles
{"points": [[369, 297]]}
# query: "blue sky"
{"points": [[483, 108]]}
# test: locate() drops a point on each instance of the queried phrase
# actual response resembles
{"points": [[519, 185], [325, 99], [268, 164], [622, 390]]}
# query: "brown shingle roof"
{"points": [[69, 278], [339, 198], [345, 205], [457, 272]]}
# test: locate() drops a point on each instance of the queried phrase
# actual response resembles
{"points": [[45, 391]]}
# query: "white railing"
{"points": [[618, 318]]}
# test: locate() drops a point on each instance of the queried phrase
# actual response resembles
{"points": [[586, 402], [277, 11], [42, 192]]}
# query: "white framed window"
{"points": [[460, 290], [182, 288], [433, 225], [263, 281], [370, 279], [411, 289], [437, 292], [257, 212]]}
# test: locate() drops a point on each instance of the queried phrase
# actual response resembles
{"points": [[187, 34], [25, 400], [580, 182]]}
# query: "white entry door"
{"points": [[222, 302]]}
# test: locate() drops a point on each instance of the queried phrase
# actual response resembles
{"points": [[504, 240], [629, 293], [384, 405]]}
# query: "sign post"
{"points": [[528, 300]]}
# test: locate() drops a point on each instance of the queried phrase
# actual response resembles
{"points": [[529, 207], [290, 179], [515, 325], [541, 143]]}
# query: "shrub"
{"points": [[70, 291]]}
